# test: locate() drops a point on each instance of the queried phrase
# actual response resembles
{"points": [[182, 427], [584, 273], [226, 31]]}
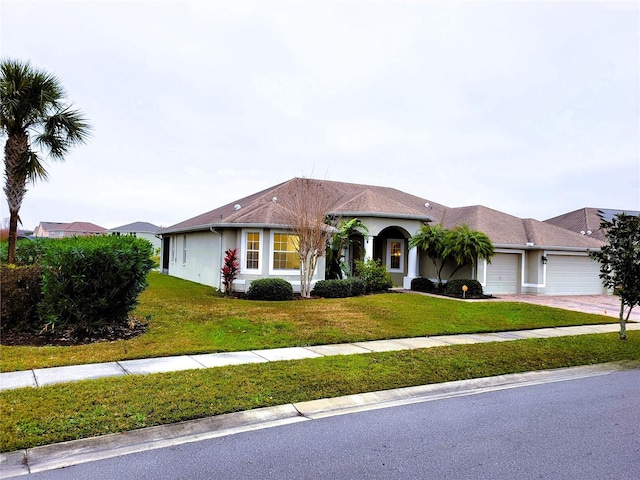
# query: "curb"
{"points": [[49, 457]]}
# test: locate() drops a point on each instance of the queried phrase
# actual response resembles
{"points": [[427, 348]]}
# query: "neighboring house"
{"points": [[145, 230], [532, 257], [74, 229], [586, 221]]}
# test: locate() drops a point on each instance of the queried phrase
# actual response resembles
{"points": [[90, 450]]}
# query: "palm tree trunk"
{"points": [[15, 154]]}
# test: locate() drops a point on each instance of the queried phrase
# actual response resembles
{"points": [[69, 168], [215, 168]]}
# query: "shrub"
{"points": [[21, 288], [270, 289], [92, 283], [230, 269], [332, 289], [358, 286], [454, 287], [374, 274], [422, 285], [28, 252]]}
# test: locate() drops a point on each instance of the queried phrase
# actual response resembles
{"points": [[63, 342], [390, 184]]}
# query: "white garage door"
{"points": [[573, 275], [503, 274]]}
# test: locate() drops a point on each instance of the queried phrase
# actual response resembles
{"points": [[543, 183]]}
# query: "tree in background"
{"points": [[340, 240], [620, 263], [305, 204], [460, 246], [36, 120]]}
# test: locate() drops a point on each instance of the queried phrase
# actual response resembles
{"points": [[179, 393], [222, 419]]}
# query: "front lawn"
{"points": [[55, 413], [187, 318]]}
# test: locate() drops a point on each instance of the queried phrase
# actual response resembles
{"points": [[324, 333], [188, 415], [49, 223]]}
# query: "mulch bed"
{"points": [[134, 328]]}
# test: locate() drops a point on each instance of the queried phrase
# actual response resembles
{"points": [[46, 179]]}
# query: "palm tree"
{"points": [[466, 246], [36, 120], [431, 239], [342, 238]]}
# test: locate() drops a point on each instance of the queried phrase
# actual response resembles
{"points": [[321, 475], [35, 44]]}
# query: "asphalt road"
{"points": [[583, 429]]}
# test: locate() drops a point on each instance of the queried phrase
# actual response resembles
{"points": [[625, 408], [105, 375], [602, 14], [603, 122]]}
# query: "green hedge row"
{"points": [[348, 287], [88, 284]]}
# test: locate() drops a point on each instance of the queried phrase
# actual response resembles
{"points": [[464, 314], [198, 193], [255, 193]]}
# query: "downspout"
{"points": [[213, 230]]}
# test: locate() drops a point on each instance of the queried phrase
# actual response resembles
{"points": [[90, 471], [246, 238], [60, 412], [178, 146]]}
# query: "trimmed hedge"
{"points": [[422, 285], [21, 288], [274, 289], [454, 287], [348, 287]]}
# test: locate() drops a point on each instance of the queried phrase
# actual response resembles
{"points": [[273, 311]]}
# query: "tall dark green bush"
{"points": [[92, 283], [454, 287], [422, 285], [270, 289], [21, 292], [28, 252], [374, 274]]}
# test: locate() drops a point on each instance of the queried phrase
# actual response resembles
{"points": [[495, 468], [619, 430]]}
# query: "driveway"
{"points": [[608, 305]]}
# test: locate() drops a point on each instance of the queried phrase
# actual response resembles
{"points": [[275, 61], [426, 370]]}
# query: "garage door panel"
{"points": [[503, 274], [572, 275]]}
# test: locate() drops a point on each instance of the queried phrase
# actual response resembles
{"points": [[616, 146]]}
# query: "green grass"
{"points": [[50, 414], [188, 318]]}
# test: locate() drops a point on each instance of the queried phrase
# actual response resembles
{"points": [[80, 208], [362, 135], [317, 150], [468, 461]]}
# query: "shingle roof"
{"points": [[137, 227], [354, 200], [84, 227], [587, 220], [347, 199], [505, 229]]}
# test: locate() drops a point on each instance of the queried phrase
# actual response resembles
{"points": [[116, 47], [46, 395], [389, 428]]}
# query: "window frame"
{"points": [[280, 271], [244, 251], [390, 241], [184, 249]]}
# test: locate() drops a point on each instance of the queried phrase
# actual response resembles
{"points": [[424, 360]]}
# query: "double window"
{"points": [[283, 252]]}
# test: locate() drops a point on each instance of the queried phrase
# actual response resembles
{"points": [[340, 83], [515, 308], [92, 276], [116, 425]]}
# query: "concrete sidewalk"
{"points": [[48, 376]]}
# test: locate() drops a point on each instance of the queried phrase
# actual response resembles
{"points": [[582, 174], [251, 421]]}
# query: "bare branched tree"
{"points": [[305, 203]]}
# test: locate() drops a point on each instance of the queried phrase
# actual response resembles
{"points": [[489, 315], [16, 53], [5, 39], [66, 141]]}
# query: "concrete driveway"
{"points": [[608, 305]]}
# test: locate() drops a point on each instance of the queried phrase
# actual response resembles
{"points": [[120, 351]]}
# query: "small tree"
{"points": [[620, 263], [465, 246], [305, 204], [432, 240], [340, 240], [229, 269], [460, 246]]}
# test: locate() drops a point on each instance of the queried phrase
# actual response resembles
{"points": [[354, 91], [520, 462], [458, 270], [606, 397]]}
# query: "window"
{"points": [[251, 251], [174, 249], [395, 255], [285, 255], [252, 256], [184, 249]]}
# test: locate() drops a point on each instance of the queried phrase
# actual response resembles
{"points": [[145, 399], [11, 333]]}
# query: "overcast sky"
{"points": [[530, 108]]}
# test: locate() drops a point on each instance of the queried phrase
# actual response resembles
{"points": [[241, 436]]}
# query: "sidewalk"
{"points": [[48, 376]]}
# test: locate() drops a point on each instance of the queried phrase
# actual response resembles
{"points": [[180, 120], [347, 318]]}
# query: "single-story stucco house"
{"points": [[145, 230], [532, 257]]}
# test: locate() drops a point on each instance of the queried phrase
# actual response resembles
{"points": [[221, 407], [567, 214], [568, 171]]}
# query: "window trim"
{"points": [[174, 249], [184, 249], [280, 271], [243, 253], [401, 242]]}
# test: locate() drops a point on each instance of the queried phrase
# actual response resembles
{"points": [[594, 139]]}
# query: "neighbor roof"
{"points": [[586, 221], [348, 199], [137, 227]]}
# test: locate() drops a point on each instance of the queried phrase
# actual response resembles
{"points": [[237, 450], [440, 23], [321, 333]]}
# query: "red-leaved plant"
{"points": [[229, 269]]}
